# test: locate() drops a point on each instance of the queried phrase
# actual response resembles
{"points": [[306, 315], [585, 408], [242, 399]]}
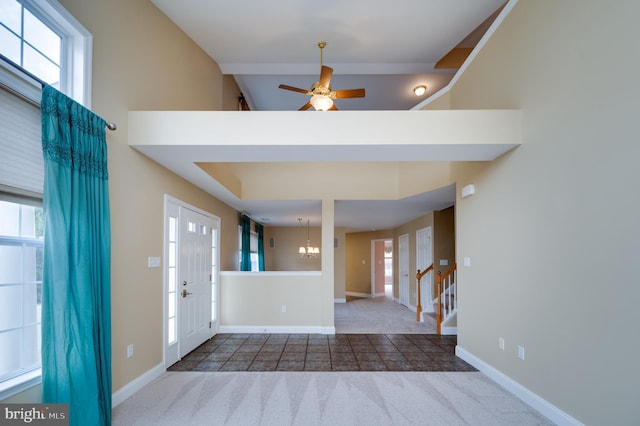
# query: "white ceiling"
{"points": [[385, 47]]}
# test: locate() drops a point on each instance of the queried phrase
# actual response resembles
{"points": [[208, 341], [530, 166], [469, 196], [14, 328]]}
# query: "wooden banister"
{"points": [[419, 276]]}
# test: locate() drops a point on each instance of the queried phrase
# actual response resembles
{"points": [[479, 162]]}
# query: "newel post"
{"points": [[419, 305]]}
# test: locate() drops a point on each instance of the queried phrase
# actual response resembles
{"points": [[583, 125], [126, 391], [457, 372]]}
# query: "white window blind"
{"points": [[21, 164]]}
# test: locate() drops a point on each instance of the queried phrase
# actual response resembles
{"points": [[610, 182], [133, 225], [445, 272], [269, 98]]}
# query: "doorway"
{"points": [[382, 268], [191, 277]]}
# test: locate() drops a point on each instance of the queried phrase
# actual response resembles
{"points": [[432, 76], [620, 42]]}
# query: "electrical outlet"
{"points": [[521, 352], [130, 350], [501, 343], [284, 309]]}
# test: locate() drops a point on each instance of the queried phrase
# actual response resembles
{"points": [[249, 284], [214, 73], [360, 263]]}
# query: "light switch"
{"points": [[444, 262], [153, 262], [467, 261]]}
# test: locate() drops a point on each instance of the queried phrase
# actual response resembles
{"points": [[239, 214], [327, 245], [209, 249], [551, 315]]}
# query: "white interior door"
{"points": [[403, 269], [424, 258]]}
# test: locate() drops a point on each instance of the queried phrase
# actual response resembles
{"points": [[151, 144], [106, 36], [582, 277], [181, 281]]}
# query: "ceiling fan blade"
{"points": [[305, 106], [293, 89], [349, 93], [333, 108], [325, 76]]}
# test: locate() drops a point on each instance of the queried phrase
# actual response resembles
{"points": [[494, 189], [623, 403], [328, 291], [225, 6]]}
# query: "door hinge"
{"points": [[209, 324], [210, 277]]}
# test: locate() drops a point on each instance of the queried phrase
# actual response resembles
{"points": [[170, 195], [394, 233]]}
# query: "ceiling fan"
{"points": [[321, 94]]}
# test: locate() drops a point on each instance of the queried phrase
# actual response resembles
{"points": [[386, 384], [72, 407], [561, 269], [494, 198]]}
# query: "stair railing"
{"points": [[447, 296], [419, 276]]}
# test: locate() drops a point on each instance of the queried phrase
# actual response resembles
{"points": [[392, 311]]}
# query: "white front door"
{"points": [[424, 258], [195, 284], [403, 269], [191, 278]]}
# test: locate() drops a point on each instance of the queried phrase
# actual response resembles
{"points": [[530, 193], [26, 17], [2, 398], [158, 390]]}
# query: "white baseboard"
{"points": [[136, 384], [276, 329], [354, 294], [449, 331], [379, 294], [545, 408], [340, 300]]}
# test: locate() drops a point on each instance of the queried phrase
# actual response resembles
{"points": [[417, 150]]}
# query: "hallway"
{"points": [[379, 315]]}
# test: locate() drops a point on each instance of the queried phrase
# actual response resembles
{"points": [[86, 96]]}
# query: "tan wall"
{"points": [[257, 299], [339, 280], [358, 259], [552, 230], [444, 242], [284, 255], [442, 102], [367, 180], [142, 61]]}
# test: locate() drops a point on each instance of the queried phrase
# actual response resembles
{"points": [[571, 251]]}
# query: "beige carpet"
{"points": [[331, 398], [379, 315], [305, 398]]}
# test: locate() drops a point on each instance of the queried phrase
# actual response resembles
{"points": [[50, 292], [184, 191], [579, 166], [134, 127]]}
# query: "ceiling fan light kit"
{"points": [[322, 95], [321, 102]]}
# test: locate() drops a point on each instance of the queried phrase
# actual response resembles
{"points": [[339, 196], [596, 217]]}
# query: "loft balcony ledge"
{"points": [[274, 136]]}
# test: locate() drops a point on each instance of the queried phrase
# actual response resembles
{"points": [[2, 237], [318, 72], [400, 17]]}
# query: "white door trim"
{"points": [[424, 258], [403, 270], [170, 204]]}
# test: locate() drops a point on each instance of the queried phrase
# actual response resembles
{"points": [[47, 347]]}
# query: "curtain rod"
{"points": [[110, 125], [242, 213]]}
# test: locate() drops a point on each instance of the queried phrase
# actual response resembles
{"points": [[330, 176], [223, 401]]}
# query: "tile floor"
{"points": [[319, 352]]}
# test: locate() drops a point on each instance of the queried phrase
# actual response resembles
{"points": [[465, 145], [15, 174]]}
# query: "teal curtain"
{"points": [[245, 259], [260, 229], [76, 295]]}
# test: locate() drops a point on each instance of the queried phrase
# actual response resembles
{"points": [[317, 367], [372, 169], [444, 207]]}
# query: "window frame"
{"points": [[31, 377], [75, 81], [75, 60]]}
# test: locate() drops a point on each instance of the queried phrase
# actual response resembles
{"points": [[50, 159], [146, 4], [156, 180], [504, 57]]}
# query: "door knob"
{"points": [[185, 293]]}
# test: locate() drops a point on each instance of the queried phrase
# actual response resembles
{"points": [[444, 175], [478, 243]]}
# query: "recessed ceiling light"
{"points": [[420, 90]]}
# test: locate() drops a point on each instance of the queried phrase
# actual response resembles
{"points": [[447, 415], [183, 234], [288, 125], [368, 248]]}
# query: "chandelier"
{"points": [[307, 251]]}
